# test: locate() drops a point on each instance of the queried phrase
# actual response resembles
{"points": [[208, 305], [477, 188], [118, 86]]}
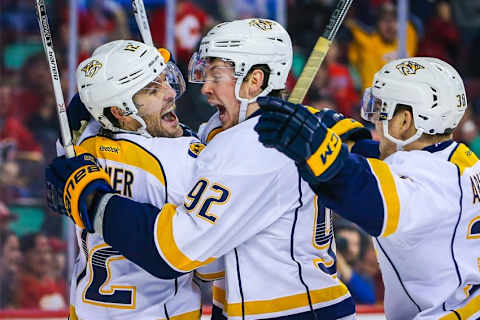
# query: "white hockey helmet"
{"points": [[431, 87], [116, 71], [246, 43]]}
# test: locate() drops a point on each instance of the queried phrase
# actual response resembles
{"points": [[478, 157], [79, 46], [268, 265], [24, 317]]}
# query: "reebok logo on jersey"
{"points": [[409, 67], [110, 149]]}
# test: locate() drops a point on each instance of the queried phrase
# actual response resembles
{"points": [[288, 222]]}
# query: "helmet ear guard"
{"points": [[116, 71], [431, 87]]}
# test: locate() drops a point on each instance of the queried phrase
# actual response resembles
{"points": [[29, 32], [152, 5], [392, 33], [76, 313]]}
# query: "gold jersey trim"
{"points": [[262, 307], [125, 152], [165, 240], [463, 157], [389, 195]]}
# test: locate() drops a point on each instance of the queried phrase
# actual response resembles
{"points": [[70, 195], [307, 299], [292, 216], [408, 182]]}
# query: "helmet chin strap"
{"points": [[242, 114], [141, 131], [400, 143]]}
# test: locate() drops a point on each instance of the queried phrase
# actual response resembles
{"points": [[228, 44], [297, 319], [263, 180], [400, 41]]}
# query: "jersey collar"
{"points": [[438, 146]]}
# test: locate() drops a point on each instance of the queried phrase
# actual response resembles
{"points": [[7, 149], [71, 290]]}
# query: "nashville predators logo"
{"points": [[195, 149], [409, 67], [261, 24], [92, 68]]}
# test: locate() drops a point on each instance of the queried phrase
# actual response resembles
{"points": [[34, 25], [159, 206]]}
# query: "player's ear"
{"points": [[117, 113], [407, 125], [255, 82]]}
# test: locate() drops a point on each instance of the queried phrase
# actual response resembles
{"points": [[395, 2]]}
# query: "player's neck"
{"points": [[252, 107], [422, 143]]}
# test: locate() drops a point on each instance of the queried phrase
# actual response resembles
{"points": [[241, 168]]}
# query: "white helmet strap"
{"points": [[242, 115], [141, 131], [400, 143]]}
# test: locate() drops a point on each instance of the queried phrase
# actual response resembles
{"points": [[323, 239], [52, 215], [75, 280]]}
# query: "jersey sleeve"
{"points": [[218, 213], [381, 199]]}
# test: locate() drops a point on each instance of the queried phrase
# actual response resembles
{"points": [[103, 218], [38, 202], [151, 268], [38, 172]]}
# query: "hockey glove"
{"points": [[74, 181], [345, 128], [293, 130]]}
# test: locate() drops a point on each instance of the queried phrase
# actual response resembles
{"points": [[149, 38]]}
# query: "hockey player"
{"points": [[421, 202], [129, 89], [246, 203]]}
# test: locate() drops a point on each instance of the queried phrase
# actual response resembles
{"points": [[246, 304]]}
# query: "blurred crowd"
{"points": [[32, 267]]}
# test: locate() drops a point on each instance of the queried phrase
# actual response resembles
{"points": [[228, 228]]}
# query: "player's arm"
{"points": [[171, 240], [362, 190]]}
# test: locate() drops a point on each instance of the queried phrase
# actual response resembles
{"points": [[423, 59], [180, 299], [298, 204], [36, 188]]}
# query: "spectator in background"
{"points": [[191, 22], [10, 258], [37, 289], [333, 81], [368, 267], [349, 251], [59, 264], [101, 22], [442, 37], [369, 52], [44, 126], [12, 128]]}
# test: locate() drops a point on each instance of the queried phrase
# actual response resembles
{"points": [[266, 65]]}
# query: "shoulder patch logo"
{"points": [[261, 24], [409, 67], [195, 148], [92, 68]]}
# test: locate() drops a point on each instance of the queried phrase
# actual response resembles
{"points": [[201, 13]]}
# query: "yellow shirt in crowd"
{"points": [[368, 53]]}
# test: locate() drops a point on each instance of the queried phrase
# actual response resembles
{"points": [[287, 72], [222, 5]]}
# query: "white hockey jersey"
{"points": [[436, 232], [423, 208], [249, 205], [107, 286]]}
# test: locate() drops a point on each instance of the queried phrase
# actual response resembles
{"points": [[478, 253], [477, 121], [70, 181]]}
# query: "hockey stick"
{"points": [[142, 21], [66, 136], [319, 52]]}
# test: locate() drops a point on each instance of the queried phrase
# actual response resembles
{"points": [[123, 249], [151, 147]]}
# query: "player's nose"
{"points": [[170, 93], [206, 88]]}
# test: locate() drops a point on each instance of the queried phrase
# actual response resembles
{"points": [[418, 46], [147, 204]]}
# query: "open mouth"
{"points": [[169, 115], [222, 111]]}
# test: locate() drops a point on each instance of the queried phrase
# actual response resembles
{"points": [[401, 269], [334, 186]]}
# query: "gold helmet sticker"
{"points": [[92, 68], [261, 24], [409, 67]]}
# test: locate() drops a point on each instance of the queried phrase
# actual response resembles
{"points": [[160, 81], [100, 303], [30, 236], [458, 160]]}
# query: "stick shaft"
{"points": [[142, 21], [55, 76], [319, 52]]}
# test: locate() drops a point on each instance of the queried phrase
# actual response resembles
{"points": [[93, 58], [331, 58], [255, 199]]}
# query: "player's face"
{"points": [[219, 88], [156, 107]]}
